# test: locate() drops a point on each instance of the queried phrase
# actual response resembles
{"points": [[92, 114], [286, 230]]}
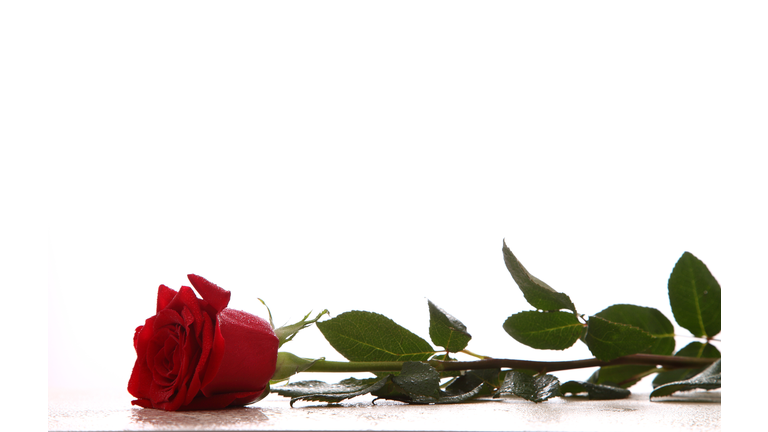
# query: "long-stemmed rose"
{"points": [[199, 354]]}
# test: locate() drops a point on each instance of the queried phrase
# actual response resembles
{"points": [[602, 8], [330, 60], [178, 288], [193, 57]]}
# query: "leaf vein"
{"points": [[696, 302], [375, 348]]}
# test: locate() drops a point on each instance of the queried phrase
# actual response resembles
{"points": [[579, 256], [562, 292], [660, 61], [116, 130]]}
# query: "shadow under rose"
{"points": [[230, 418]]}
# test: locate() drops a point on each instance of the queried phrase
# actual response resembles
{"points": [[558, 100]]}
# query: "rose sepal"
{"points": [[289, 364], [287, 332]]}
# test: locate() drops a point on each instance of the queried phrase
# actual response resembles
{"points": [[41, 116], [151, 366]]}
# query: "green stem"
{"points": [[341, 366], [468, 352], [669, 362]]}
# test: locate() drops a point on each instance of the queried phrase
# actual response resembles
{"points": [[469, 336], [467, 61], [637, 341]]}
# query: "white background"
{"points": [[332, 155]]}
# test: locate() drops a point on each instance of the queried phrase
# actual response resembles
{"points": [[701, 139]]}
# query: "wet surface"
{"points": [[94, 411]]}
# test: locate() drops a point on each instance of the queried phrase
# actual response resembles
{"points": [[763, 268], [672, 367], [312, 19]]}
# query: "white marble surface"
{"points": [[111, 411]]}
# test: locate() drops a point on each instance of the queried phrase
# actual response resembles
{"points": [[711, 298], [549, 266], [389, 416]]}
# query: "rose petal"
{"points": [[223, 400], [144, 403], [167, 317], [166, 363], [164, 296], [141, 376], [188, 299], [214, 343], [250, 357], [136, 336], [168, 399], [190, 359], [157, 348], [215, 295], [189, 318]]}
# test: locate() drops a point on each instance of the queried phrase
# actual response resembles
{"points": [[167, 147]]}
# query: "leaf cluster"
{"points": [[620, 329], [417, 383], [362, 336], [554, 324]]}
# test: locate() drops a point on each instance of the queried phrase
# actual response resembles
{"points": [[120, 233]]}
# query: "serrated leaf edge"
{"points": [[707, 379], [334, 398]]}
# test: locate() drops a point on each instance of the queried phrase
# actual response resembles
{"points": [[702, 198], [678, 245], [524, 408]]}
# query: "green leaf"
{"points": [[645, 318], [533, 388], [648, 319], [693, 349], [708, 379], [694, 296], [594, 391], [488, 379], [446, 331], [544, 330], [460, 397], [536, 292], [420, 381], [609, 340], [624, 376], [368, 336], [333, 393]]}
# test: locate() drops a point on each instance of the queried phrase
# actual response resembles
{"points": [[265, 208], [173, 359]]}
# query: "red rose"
{"points": [[199, 354]]}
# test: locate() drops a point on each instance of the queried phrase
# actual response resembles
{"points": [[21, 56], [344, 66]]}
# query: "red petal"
{"points": [[223, 400], [168, 317], [136, 336], [249, 357], [144, 403], [164, 296], [141, 377], [187, 299], [215, 295], [213, 342]]}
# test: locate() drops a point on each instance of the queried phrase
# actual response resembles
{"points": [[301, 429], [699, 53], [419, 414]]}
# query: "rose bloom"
{"points": [[199, 354]]}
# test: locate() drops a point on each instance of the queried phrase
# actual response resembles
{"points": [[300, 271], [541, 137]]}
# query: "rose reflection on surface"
{"points": [[242, 418]]}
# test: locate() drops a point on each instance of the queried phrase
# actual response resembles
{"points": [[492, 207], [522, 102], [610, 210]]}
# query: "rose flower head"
{"points": [[198, 354]]}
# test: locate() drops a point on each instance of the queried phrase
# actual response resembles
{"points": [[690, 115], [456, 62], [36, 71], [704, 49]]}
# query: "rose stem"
{"points": [[670, 362]]}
